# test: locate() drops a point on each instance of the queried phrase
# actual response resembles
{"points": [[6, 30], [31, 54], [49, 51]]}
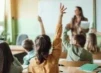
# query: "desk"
{"points": [[16, 49], [66, 70]]}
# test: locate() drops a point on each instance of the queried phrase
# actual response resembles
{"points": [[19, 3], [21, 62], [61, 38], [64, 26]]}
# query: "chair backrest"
{"points": [[21, 38], [97, 56], [72, 63]]}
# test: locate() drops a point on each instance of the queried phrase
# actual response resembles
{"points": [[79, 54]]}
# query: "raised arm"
{"points": [[66, 39], [57, 41], [41, 25]]}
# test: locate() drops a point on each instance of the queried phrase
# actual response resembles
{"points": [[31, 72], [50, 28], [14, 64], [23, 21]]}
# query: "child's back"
{"points": [[76, 52], [51, 64]]}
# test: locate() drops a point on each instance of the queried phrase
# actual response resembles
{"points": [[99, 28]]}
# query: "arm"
{"points": [[57, 41], [66, 39], [95, 31], [41, 24]]}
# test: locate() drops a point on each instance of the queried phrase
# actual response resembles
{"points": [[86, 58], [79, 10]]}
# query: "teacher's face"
{"points": [[77, 11]]}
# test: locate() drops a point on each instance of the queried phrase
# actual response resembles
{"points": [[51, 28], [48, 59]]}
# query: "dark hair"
{"points": [[80, 39], [81, 14], [92, 44], [43, 45], [8, 58], [28, 44]]}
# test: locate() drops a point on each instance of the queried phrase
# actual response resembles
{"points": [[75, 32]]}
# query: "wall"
{"points": [[27, 18]]}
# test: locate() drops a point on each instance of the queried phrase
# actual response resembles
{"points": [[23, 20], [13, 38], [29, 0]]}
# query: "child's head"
{"points": [[92, 39], [28, 44], [92, 43], [42, 45], [6, 57], [79, 40]]}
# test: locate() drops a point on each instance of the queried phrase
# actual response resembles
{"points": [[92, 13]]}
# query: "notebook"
{"points": [[89, 67], [84, 24]]}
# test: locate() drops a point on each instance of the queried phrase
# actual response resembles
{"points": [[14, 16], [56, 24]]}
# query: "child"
{"points": [[91, 44], [76, 51], [28, 46], [45, 62], [8, 63]]}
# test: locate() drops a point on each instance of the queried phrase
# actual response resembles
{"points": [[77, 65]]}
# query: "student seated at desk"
{"points": [[8, 63], [28, 45], [76, 51], [91, 44], [45, 62]]}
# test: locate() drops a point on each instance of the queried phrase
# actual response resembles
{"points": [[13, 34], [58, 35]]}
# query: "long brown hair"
{"points": [[43, 45], [92, 43], [7, 56], [81, 14]]}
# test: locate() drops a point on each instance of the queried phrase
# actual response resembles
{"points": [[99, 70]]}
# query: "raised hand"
{"points": [[41, 25], [39, 19], [62, 9]]}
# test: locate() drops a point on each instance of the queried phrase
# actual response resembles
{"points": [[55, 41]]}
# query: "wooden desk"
{"points": [[16, 49], [66, 70]]}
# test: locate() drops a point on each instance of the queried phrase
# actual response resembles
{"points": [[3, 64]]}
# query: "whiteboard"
{"points": [[49, 11], [98, 14]]}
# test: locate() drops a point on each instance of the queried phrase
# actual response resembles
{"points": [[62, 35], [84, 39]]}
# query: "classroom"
{"points": [[50, 36]]}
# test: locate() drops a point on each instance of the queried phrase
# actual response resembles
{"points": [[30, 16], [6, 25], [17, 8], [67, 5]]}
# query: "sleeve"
{"points": [[66, 40], [17, 64], [26, 62], [56, 52], [57, 48]]}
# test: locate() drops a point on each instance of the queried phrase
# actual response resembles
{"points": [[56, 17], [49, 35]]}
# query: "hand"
{"points": [[39, 19], [62, 9]]}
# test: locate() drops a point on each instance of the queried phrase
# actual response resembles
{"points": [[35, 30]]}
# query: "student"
{"points": [[28, 45], [45, 62], [76, 51], [91, 44], [8, 63]]}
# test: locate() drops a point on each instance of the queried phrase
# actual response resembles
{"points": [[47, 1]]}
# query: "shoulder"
{"points": [[87, 53], [32, 60]]}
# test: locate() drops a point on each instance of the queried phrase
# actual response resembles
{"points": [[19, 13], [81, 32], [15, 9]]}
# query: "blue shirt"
{"points": [[28, 57]]}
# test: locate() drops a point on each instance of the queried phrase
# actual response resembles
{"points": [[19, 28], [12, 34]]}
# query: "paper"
{"points": [[84, 24]]}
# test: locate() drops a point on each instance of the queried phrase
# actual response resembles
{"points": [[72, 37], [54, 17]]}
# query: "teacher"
{"points": [[74, 25]]}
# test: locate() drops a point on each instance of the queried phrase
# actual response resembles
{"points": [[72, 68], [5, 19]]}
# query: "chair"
{"points": [[97, 56], [21, 38], [72, 63]]}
